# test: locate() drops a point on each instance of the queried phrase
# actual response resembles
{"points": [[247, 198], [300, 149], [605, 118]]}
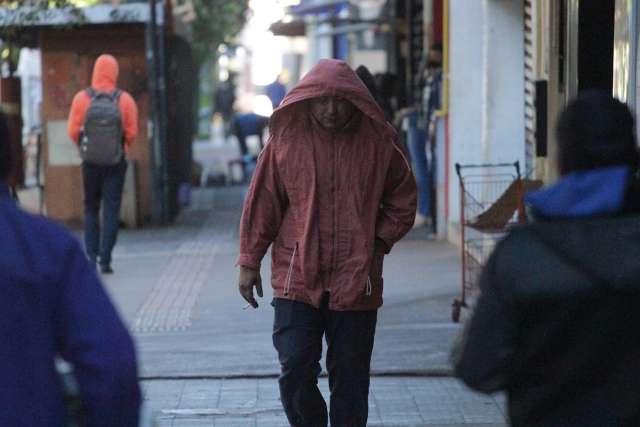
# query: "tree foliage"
{"points": [[44, 4], [18, 13], [24, 12], [216, 22]]}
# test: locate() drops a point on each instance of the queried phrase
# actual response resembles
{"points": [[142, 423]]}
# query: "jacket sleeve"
{"points": [[91, 336], [129, 118], [483, 354], [78, 110], [264, 209], [398, 205]]}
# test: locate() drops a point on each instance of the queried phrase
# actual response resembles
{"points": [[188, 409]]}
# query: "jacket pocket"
{"points": [[290, 270], [374, 281], [377, 263], [283, 264]]}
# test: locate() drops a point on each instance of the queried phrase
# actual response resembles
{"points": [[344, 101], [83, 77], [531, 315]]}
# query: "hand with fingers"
{"points": [[250, 278]]}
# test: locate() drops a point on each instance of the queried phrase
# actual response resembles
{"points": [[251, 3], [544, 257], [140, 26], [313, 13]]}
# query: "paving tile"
{"points": [[394, 402], [236, 422], [201, 394], [193, 422]]}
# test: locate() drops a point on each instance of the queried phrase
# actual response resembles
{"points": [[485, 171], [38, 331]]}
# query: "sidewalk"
{"points": [[204, 359], [401, 401]]}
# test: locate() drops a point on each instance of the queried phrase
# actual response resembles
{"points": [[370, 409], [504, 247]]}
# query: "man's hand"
{"points": [[248, 279], [381, 247]]}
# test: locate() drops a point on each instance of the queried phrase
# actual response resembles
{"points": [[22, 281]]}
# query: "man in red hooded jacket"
{"points": [[332, 193], [103, 184]]}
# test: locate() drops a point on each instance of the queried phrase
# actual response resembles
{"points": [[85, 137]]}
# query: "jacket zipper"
{"points": [[334, 245], [290, 271]]}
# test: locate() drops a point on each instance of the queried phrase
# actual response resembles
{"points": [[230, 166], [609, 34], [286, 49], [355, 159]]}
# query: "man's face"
{"points": [[331, 112], [435, 59]]}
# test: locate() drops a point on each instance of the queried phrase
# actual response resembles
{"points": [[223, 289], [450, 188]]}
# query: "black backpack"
{"points": [[102, 137]]}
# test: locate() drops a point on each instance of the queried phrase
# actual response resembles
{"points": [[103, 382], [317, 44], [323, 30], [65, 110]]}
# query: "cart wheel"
{"points": [[455, 311]]}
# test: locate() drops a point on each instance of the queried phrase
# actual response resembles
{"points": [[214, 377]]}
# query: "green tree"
{"points": [[18, 13], [44, 4], [24, 12], [216, 22]]}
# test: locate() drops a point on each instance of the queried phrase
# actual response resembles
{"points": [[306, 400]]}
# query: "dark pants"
{"points": [[102, 185], [297, 336]]}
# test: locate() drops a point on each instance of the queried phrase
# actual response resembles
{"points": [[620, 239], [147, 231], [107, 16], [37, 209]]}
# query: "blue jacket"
{"points": [[54, 304]]}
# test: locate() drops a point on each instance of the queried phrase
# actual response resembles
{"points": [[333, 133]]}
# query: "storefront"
{"points": [[161, 157], [575, 45]]}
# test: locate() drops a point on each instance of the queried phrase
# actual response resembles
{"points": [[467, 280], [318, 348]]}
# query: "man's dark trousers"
{"points": [[102, 184], [298, 330]]}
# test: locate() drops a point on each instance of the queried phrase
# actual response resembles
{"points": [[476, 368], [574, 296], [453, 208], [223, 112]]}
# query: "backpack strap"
{"points": [[115, 96], [92, 93]]}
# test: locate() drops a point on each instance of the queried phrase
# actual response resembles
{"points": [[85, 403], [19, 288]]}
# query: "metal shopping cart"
{"points": [[491, 200]]}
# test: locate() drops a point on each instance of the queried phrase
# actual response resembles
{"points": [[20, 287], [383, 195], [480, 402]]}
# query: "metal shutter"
{"points": [[529, 86]]}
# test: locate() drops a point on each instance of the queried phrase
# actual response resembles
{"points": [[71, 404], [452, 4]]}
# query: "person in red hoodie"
{"points": [[103, 183], [332, 193]]}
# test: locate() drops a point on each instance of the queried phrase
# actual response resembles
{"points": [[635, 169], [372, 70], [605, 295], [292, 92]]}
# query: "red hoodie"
{"points": [[105, 77], [323, 199]]}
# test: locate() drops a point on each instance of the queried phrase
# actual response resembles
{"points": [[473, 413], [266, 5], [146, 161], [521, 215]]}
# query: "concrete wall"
{"points": [[486, 86], [465, 80], [67, 63], [503, 136]]}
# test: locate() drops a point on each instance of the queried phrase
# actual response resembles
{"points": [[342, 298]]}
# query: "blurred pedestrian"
{"points": [[419, 122], [432, 94], [244, 126], [386, 83], [54, 305], [556, 324], [332, 194], [276, 91], [103, 122], [224, 101], [369, 81], [249, 124]]}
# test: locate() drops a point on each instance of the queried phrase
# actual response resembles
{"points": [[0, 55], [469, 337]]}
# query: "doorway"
{"points": [[595, 44]]}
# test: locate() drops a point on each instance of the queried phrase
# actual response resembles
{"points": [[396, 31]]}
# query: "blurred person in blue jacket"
{"points": [[556, 322], [244, 126], [277, 90], [53, 304]]}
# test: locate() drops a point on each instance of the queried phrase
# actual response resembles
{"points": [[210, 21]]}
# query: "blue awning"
{"points": [[319, 7]]}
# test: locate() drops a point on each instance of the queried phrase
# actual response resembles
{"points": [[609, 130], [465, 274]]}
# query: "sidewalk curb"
{"points": [[424, 373]]}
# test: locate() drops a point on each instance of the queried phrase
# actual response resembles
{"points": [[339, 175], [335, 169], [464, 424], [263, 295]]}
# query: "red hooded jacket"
{"points": [[323, 199], [105, 77]]}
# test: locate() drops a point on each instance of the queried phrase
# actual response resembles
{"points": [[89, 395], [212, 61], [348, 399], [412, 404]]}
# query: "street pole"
{"points": [[155, 47]]}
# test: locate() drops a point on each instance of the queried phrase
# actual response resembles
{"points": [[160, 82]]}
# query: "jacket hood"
{"points": [[105, 73], [601, 252], [580, 194], [330, 77], [584, 229]]}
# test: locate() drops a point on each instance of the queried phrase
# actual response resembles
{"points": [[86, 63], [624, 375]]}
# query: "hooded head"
{"points": [[105, 73], [596, 131], [598, 159], [367, 78], [329, 78]]}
